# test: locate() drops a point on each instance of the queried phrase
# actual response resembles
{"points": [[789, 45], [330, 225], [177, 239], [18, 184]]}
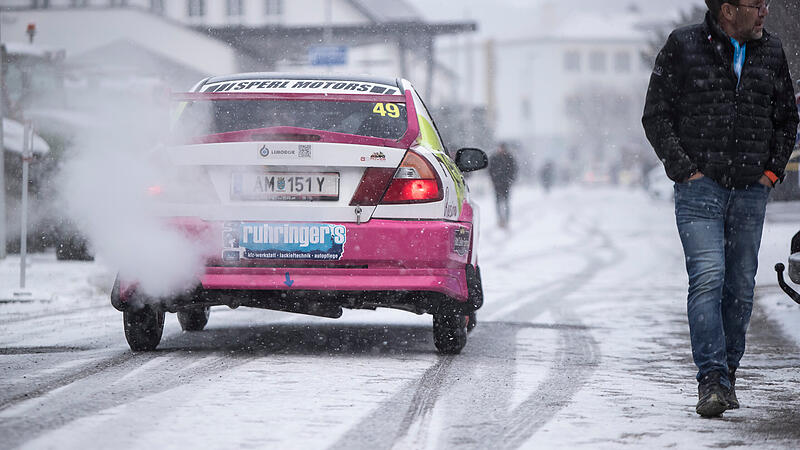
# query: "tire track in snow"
{"points": [[109, 383], [413, 430], [404, 421], [576, 360], [84, 372], [406, 408], [414, 406]]}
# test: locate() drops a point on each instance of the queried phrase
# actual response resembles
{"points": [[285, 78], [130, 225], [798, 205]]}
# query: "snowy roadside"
{"points": [[51, 284]]}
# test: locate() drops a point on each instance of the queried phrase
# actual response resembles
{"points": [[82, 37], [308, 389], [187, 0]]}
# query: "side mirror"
{"points": [[469, 159]]}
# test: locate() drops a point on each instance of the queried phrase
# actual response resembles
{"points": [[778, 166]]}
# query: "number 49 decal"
{"points": [[386, 109]]}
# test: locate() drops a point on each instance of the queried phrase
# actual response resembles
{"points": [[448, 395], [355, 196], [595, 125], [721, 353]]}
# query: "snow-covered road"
{"points": [[582, 342]]}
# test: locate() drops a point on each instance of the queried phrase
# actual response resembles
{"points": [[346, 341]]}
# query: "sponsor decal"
{"points": [[461, 241], [281, 153], [458, 178], [450, 209], [338, 86], [300, 241], [304, 151], [377, 156]]}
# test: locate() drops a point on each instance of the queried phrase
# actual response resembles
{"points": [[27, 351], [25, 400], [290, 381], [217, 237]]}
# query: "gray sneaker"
{"points": [[733, 402], [711, 396]]}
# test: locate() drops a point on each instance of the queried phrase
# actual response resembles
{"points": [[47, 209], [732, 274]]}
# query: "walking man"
{"points": [[720, 114], [503, 171]]}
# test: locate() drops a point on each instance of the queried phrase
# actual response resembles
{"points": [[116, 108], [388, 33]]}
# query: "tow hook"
{"points": [[358, 215], [782, 283]]}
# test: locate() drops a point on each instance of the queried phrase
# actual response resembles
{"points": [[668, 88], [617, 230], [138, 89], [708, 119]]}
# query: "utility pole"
{"points": [[2, 151], [327, 35], [491, 99]]}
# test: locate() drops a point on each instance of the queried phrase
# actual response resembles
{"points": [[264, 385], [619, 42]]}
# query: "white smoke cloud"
{"points": [[104, 191]]}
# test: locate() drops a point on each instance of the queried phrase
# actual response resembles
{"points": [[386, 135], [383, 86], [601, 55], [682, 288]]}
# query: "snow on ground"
{"points": [[608, 291]]}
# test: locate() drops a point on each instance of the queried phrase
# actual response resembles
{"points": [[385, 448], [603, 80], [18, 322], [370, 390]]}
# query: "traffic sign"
{"points": [[327, 55]]}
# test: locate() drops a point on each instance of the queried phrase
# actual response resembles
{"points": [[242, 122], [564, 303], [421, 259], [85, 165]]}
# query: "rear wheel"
{"points": [[143, 328], [194, 319], [472, 321], [449, 332]]}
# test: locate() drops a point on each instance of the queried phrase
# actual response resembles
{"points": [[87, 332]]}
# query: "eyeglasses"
{"points": [[762, 9]]}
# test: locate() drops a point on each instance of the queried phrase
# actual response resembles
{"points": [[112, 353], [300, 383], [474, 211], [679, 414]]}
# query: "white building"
{"points": [[572, 90], [561, 92], [375, 37], [112, 41]]}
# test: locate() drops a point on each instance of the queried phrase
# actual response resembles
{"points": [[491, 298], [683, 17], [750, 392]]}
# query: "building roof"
{"points": [[386, 11], [82, 31]]}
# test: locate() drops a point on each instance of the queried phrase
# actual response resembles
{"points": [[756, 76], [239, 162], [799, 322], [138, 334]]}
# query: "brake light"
{"points": [[415, 181], [155, 190], [372, 186]]}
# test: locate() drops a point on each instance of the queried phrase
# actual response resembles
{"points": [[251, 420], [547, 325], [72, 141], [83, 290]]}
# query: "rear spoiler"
{"points": [[405, 142]]}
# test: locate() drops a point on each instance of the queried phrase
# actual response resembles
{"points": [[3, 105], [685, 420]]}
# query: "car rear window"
{"points": [[380, 120]]}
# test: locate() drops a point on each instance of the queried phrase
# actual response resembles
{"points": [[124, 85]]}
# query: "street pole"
{"points": [[491, 73], [2, 152], [327, 35], [27, 155]]}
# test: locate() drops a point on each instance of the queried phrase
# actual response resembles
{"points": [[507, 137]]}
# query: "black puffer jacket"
{"points": [[697, 119]]}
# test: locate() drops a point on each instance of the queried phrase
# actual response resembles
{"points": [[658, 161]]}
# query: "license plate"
{"points": [[285, 186]]}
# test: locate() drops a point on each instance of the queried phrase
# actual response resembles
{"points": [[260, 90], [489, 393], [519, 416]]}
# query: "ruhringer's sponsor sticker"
{"points": [[301, 241]]}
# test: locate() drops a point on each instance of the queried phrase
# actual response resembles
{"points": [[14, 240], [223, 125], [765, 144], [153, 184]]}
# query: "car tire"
{"points": [[194, 319], [474, 286], [449, 332], [143, 328], [472, 321]]}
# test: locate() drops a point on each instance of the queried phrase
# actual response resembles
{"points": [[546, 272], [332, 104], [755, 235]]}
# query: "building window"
{"points": [[235, 8], [78, 3], [117, 3], [622, 62], [40, 4], [157, 7], [196, 8], [273, 7], [572, 61], [597, 61]]}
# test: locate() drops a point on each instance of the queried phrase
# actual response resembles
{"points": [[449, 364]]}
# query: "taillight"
{"points": [[415, 181], [372, 186]]}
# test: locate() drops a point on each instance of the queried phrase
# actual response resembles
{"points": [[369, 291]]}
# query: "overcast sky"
{"points": [[513, 18]]}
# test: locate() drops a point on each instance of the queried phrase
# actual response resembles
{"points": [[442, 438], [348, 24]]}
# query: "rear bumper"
{"points": [[447, 281], [379, 255]]}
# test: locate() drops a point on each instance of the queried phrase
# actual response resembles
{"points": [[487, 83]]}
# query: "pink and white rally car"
{"points": [[317, 194]]}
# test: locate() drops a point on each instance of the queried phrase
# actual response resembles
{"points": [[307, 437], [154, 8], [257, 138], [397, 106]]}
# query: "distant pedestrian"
{"points": [[547, 175], [720, 114], [503, 171]]}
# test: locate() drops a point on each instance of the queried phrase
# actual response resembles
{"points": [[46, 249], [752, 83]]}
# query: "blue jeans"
{"points": [[720, 230]]}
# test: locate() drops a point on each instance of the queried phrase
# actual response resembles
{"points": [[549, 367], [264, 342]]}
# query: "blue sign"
{"points": [[327, 55]]}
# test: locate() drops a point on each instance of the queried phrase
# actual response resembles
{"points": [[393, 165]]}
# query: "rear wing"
{"points": [[405, 142]]}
